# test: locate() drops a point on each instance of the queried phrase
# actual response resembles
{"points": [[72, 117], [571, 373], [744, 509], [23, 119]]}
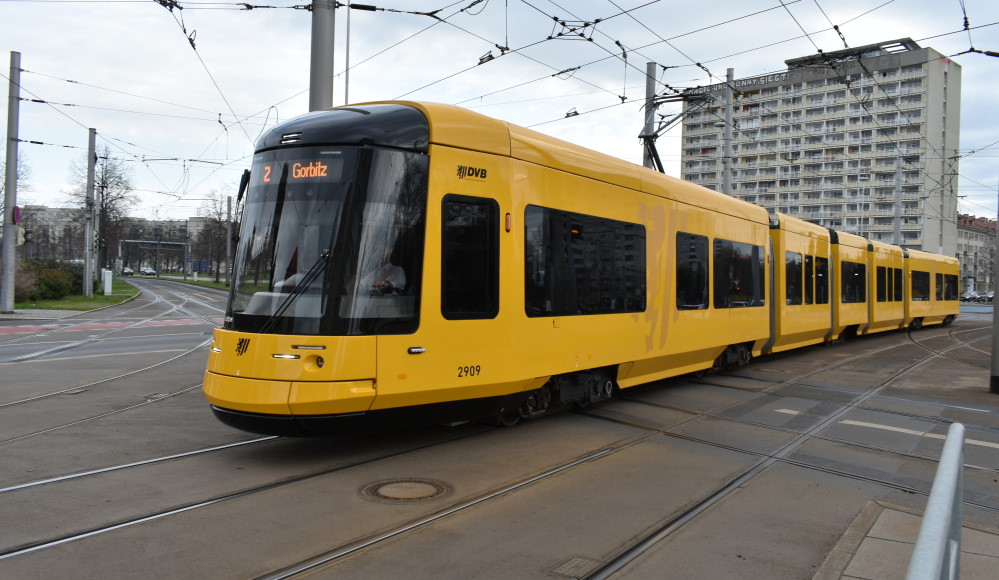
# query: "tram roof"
{"points": [[885, 248], [802, 227], [461, 128], [931, 257]]}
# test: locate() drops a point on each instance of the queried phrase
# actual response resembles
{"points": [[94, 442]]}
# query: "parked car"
{"points": [[987, 297], [126, 272], [147, 271]]}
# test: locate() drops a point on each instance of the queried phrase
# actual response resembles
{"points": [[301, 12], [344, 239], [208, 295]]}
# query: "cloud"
{"points": [[172, 111]]}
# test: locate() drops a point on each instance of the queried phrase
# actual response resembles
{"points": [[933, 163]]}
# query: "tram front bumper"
{"points": [[290, 398]]}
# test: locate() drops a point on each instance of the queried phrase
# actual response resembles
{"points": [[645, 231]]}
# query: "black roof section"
{"points": [[385, 125]]}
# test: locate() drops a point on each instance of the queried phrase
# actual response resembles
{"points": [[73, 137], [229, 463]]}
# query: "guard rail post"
{"points": [[938, 547]]}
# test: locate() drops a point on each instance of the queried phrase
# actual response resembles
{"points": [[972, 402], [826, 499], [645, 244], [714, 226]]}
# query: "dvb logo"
{"points": [[471, 172]]}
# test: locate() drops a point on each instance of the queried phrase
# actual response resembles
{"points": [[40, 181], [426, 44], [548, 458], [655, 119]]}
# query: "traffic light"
{"points": [[20, 236], [25, 236]]}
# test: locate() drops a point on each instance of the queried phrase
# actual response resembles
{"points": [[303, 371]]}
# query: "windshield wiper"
{"points": [[310, 276]]}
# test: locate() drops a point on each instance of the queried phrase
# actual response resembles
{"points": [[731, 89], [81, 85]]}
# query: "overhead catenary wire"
{"points": [[503, 39]]}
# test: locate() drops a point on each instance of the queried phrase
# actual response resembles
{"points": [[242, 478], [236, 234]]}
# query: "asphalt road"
{"points": [[112, 465]]}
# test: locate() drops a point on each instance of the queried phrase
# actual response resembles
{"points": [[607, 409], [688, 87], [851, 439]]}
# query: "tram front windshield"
{"points": [[331, 242]]}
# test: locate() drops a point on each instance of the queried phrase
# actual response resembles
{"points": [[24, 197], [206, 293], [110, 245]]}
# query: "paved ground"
{"points": [[877, 545]]}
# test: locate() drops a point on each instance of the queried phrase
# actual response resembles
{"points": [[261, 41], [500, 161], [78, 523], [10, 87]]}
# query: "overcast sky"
{"points": [[182, 94]]}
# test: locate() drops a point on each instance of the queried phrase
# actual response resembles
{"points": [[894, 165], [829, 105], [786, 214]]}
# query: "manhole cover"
{"points": [[404, 490]]}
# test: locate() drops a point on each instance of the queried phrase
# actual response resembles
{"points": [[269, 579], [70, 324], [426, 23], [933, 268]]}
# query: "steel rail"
{"points": [[99, 415], [123, 466], [630, 554], [98, 530]]}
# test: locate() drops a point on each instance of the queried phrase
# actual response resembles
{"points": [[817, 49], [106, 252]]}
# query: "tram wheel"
{"points": [[508, 418]]}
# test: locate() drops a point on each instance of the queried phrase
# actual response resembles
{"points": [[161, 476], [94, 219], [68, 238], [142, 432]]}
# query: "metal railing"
{"points": [[937, 551]]}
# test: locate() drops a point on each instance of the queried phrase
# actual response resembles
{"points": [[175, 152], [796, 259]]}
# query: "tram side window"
{"points": [[950, 287], [897, 287], [854, 285], [940, 286], [809, 279], [470, 261], [792, 277], [821, 280], [581, 264], [883, 282], [691, 271], [920, 286], [739, 275]]}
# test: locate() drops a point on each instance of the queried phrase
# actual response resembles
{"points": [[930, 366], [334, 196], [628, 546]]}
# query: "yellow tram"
{"points": [[405, 262]]}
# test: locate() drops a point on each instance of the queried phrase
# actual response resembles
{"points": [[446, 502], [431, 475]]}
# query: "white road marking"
{"points": [[897, 429], [91, 356], [914, 432]]}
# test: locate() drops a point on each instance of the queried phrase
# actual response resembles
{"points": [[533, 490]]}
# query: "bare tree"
{"points": [[23, 175], [211, 239], [113, 186]]}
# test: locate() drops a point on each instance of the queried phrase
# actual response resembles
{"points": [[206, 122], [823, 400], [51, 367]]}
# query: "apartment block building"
{"points": [[862, 140], [976, 249]]}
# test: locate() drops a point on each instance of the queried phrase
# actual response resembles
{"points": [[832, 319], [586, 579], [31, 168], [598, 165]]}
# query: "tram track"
{"points": [[334, 555], [133, 464], [361, 544], [144, 303], [95, 338], [104, 380], [148, 401], [770, 391], [617, 563], [964, 344], [67, 327], [612, 565], [36, 546], [157, 298]]}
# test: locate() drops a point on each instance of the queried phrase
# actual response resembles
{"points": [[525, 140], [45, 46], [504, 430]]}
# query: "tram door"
{"points": [[453, 355]]}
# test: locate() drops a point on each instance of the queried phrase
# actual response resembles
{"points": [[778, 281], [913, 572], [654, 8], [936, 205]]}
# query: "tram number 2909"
{"points": [[469, 371]]}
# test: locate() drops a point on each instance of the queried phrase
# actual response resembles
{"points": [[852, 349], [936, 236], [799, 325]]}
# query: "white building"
{"points": [[862, 140]]}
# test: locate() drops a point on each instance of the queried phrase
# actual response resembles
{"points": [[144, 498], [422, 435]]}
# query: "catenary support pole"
{"points": [[727, 134], [897, 206], [321, 73], [650, 111], [88, 230], [346, 66], [7, 265], [228, 238], [994, 379]]}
